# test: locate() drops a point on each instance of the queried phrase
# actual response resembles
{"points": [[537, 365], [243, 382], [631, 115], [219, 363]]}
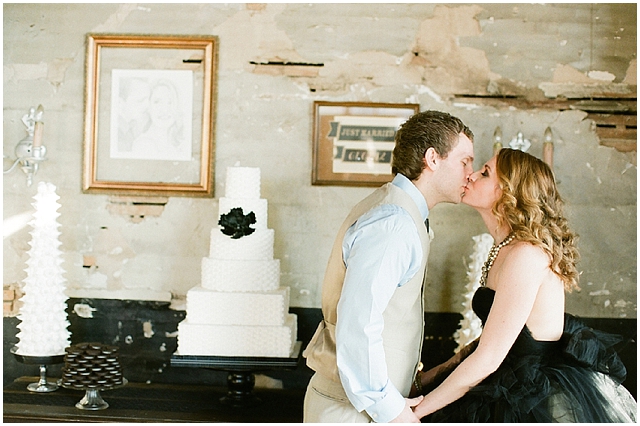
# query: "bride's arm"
{"points": [[431, 378], [517, 280]]}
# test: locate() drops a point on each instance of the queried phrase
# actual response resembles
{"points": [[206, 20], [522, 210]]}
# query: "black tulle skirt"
{"points": [[577, 379]]}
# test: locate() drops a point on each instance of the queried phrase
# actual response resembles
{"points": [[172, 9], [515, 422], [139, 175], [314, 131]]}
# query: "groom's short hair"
{"points": [[424, 130]]}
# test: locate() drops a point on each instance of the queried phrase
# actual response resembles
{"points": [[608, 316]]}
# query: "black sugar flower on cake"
{"points": [[236, 224]]}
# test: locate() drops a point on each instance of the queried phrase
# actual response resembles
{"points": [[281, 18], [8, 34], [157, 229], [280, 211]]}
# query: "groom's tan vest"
{"points": [[404, 316]]}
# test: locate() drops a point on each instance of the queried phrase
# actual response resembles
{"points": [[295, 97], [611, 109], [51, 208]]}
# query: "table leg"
{"points": [[240, 389]]}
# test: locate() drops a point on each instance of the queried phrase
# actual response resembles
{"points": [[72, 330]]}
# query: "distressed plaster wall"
{"points": [[422, 53]]}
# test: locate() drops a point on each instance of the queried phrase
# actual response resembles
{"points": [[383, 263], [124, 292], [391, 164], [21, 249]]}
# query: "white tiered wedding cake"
{"points": [[239, 309]]}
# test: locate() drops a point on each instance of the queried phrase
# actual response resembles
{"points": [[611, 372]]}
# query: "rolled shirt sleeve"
{"points": [[382, 251]]}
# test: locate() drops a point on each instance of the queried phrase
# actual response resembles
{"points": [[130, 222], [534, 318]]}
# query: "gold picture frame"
{"points": [[353, 141], [150, 115]]}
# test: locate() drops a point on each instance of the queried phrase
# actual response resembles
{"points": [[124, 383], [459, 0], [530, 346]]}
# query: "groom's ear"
{"points": [[431, 159]]}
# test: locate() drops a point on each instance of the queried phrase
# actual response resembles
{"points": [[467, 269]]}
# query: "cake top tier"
{"points": [[242, 182]]}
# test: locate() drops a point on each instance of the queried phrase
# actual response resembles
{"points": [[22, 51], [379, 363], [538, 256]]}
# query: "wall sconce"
{"points": [[521, 143], [30, 151]]}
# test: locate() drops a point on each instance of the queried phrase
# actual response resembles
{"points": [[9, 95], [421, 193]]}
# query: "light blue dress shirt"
{"points": [[382, 251]]}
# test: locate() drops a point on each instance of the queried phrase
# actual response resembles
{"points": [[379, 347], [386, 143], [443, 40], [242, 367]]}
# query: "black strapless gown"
{"points": [[576, 379]]}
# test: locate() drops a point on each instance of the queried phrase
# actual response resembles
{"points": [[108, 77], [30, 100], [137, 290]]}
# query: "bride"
{"points": [[533, 362]]}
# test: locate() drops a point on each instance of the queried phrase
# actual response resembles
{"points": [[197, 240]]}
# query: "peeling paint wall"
{"points": [[429, 54]]}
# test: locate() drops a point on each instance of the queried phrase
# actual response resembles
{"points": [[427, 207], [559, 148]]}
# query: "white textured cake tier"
{"points": [[257, 246], [240, 275], [258, 206], [237, 340], [242, 182], [230, 308]]}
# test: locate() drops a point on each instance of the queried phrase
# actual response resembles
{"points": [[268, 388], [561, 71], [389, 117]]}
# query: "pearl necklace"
{"points": [[493, 253]]}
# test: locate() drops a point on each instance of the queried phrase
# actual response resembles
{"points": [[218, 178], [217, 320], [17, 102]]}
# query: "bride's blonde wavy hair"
{"points": [[531, 205]]}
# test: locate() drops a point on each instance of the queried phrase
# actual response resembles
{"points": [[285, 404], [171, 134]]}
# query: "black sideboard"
{"points": [[146, 334]]}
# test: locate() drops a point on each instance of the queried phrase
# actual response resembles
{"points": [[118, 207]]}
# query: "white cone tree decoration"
{"points": [[470, 325], [43, 319]]}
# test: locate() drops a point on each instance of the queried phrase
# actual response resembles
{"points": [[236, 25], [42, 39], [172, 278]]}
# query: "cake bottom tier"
{"points": [[238, 340]]}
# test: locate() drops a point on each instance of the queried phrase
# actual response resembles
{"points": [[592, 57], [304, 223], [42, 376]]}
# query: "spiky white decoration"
{"points": [[43, 326], [470, 325]]}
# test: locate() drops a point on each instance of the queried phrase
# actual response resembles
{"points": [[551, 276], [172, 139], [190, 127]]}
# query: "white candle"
{"points": [[547, 153], [547, 148], [37, 134]]}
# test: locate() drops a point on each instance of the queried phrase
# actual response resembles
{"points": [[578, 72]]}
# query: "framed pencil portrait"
{"points": [[149, 115], [353, 141]]}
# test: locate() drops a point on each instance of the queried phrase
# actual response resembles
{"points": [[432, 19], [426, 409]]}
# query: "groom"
{"points": [[366, 350]]}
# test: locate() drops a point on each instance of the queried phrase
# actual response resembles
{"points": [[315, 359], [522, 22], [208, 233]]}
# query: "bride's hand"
{"points": [[407, 415]]}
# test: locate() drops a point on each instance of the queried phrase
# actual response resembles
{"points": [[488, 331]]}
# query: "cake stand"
{"points": [[42, 385], [92, 367], [92, 399], [241, 372]]}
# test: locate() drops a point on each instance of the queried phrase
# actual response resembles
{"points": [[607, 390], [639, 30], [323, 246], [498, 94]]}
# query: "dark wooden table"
{"points": [[157, 403]]}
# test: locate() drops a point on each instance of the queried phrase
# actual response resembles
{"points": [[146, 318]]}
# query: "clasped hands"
{"points": [[407, 415]]}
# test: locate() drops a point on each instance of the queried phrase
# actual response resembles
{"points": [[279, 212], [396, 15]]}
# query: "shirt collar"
{"points": [[407, 186]]}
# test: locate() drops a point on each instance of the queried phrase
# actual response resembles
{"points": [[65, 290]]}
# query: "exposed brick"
{"points": [[8, 294], [88, 261]]}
